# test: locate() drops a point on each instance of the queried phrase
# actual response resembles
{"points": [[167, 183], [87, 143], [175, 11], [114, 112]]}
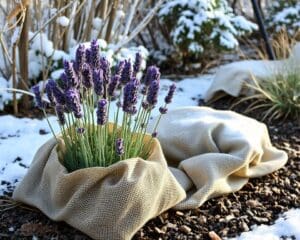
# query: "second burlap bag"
{"points": [[213, 152], [105, 203]]}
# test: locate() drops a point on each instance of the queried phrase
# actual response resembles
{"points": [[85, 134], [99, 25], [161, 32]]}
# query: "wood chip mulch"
{"points": [[260, 201]]}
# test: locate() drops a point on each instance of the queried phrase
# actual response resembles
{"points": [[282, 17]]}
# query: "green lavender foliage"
{"points": [[89, 140]]}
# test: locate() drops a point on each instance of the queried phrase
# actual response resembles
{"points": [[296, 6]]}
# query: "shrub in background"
{"points": [[202, 27], [284, 14]]}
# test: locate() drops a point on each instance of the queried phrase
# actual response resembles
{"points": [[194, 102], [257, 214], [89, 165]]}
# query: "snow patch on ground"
{"points": [[287, 226]]}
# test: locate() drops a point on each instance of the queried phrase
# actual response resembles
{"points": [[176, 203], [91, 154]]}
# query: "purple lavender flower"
{"points": [[102, 112], [60, 114], [168, 98], [153, 93], [137, 63], [49, 91], [154, 134], [105, 66], [95, 55], [58, 94], [163, 110], [120, 68], [38, 97], [130, 96], [73, 102], [151, 75], [145, 105], [63, 81], [79, 59], [98, 81], [127, 72], [71, 76], [88, 54], [113, 85], [80, 130], [119, 147], [87, 76]]}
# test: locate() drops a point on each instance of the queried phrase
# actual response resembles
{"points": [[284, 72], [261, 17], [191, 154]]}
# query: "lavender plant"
{"points": [[90, 140]]}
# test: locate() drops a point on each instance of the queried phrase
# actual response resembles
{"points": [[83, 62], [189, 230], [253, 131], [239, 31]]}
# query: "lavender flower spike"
{"points": [[98, 81], [95, 55], [105, 66], [127, 72], [119, 147], [73, 102], [120, 68], [72, 78], [60, 114], [102, 112], [113, 85], [49, 91], [137, 63], [163, 110], [38, 97], [79, 60], [153, 93], [151, 75], [168, 98], [87, 76], [130, 96]]}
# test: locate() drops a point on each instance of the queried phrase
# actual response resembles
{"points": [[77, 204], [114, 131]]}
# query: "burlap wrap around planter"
{"points": [[209, 153], [105, 203]]}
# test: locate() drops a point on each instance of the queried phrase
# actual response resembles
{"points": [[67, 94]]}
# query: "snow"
{"points": [[63, 21], [287, 225], [189, 18]]}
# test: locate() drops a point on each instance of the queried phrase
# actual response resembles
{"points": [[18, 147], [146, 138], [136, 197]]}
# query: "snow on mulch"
{"points": [[286, 226]]}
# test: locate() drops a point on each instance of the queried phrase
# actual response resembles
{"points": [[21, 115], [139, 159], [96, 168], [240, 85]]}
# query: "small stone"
{"points": [[261, 219], [202, 219], [185, 229], [253, 203], [158, 230], [229, 217], [179, 213], [213, 236], [244, 226], [171, 225]]}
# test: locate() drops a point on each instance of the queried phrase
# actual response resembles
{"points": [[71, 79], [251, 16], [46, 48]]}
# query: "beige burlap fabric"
{"points": [[215, 152], [105, 203], [231, 78]]}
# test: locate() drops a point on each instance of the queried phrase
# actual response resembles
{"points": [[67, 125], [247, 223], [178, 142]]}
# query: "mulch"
{"points": [[260, 201]]}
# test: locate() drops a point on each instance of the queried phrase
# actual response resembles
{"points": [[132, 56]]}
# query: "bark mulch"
{"points": [[260, 201]]}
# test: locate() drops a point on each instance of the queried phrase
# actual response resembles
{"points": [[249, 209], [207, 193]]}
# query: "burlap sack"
{"points": [[215, 152], [109, 203], [231, 78]]}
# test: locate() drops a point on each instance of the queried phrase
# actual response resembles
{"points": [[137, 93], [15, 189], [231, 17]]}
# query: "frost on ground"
{"points": [[286, 226]]}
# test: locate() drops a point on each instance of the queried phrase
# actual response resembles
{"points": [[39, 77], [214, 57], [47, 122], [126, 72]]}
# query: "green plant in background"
{"points": [[279, 94], [284, 14], [89, 140], [201, 28]]}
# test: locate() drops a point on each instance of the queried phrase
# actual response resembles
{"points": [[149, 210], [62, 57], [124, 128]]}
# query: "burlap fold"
{"points": [[105, 203], [232, 78], [213, 152]]}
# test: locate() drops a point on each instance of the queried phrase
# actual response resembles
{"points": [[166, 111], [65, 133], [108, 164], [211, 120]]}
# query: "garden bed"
{"points": [[261, 201]]}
